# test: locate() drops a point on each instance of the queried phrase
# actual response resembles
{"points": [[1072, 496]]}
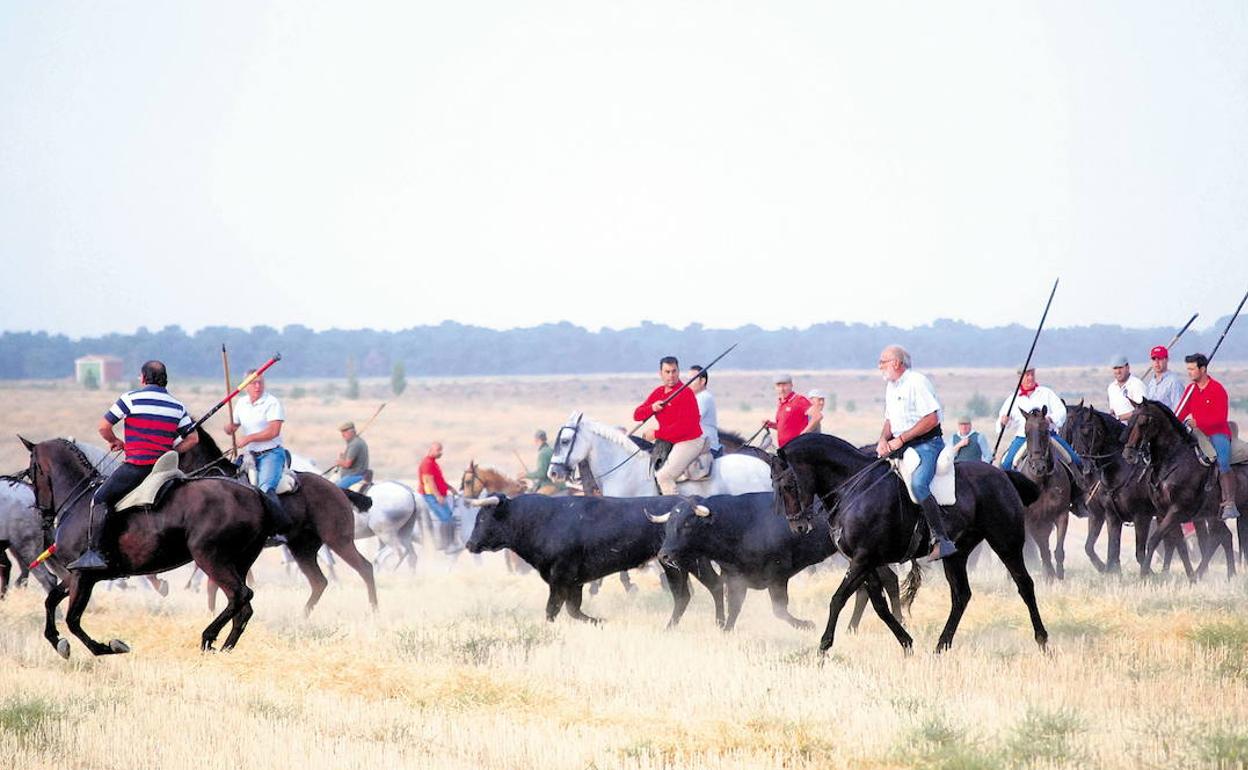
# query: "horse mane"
{"points": [[80, 455], [208, 442], [1178, 427], [642, 444], [491, 477], [612, 434], [731, 436]]}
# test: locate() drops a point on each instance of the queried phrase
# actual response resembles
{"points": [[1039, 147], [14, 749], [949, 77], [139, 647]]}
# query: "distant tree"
{"points": [[831, 405], [353, 380], [91, 380], [398, 378], [978, 406], [850, 406]]}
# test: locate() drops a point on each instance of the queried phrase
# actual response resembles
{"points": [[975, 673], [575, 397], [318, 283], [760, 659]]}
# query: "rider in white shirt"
{"points": [[706, 407], [1032, 395], [1124, 390]]}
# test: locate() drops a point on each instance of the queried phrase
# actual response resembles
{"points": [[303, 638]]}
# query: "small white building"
{"points": [[107, 370]]}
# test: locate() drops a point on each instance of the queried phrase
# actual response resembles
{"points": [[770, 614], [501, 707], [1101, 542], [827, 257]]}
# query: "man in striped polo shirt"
{"points": [[154, 421]]}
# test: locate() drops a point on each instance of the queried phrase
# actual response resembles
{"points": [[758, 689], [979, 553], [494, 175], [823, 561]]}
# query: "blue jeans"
{"points": [[440, 510], [346, 481], [921, 481], [1020, 441], [269, 467], [1222, 447]]}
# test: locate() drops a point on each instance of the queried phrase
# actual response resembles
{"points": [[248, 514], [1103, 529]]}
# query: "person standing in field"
{"points": [[970, 444]]}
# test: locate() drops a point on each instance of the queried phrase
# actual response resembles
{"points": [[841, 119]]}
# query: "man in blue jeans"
{"points": [[912, 419], [258, 420], [353, 462]]}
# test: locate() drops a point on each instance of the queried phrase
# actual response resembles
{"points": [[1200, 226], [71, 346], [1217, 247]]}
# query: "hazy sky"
{"points": [[512, 163]]}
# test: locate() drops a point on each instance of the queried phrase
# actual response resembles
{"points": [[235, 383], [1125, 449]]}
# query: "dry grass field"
{"points": [[458, 669]]}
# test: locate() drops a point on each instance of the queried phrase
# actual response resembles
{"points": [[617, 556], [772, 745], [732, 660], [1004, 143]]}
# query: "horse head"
{"points": [[1039, 449], [1152, 426], [568, 451], [470, 484], [790, 499]]}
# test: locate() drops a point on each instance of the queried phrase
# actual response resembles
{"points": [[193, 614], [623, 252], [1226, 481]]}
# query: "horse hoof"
{"points": [[804, 625], [62, 648], [118, 646]]}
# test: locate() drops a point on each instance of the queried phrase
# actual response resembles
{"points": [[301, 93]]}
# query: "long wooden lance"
{"points": [[331, 468], [684, 385], [259, 372], [1175, 340], [1026, 365], [225, 363], [1191, 387]]}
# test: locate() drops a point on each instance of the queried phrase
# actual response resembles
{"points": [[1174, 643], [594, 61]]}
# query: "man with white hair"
{"points": [[912, 416], [1125, 391], [814, 415]]}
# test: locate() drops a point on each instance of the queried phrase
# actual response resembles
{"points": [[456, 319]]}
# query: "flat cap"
{"points": [[1118, 360], [784, 377], [348, 425]]}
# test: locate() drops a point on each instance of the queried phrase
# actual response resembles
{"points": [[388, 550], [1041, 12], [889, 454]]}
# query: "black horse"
{"points": [[875, 523], [321, 514], [1181, 487], [217, 523]]}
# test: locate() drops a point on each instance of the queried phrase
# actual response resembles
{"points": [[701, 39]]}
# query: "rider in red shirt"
{"points": [[680, 423], [791, 409], [1205, 403]]}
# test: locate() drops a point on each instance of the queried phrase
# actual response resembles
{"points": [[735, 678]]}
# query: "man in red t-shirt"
{"points": [[436, 492], [680, 424], [1205, 403], [791, 409]]}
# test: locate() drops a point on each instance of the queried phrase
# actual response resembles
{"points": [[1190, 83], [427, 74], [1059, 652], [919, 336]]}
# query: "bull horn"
{"points": [[701, 510], [660, 519], [485, 502]]}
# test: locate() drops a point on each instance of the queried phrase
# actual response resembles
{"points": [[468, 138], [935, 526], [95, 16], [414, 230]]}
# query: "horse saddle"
{"points": [[698, 470], [152, 489], [943, 483], [1239, 449], [1059, 454], [362, 486], [286, 484]]}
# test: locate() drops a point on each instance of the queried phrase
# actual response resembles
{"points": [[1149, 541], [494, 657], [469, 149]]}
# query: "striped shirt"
{"points": [[154, 420]]}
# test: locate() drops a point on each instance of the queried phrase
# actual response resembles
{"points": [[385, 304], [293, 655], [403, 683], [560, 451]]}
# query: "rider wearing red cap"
{"points": [[1161, 384]]}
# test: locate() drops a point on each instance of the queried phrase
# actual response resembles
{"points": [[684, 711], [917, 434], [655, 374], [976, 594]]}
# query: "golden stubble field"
{"points": [[458, 669]]}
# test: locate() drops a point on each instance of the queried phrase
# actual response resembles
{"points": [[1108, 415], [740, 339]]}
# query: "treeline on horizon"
{"points": [[451, 348]]}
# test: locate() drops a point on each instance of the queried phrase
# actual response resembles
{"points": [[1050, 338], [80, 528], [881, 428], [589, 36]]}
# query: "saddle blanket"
{"points": [[1059, 454], [943, 484], [1239, 449], [164, 471]]}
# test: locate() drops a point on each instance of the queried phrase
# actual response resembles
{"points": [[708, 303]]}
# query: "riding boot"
{"points": [[1227, 482], [942, 546], [281, 519], [449, 538], [92, 558]]}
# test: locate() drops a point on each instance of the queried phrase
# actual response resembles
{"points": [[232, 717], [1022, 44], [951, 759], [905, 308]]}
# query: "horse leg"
{"points": [[854, 577], [573, 598], [594, 586], [1012, 558], [56, 594], [1143, 531], [1205, 542], [734, 595], [352, 556], [861, 597], [304, 552], [239, 621], [1095, 522], [627, 582], [211, 593], [79, 595], [1113, 549], [1241, 526], [874, 590], [230, 580], [1059, 550], [6, 567], [1040, 536], [705, 572], [959, 596], [892, 586], [1220, 539]]}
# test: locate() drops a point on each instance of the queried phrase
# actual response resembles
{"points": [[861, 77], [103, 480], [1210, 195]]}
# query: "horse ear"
{"points": [[1080, 403], [778, 465], [30, 447], [1044, 411]]}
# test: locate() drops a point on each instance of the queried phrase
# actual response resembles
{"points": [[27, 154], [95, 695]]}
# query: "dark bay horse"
{"points": [[1182, 488], [219, 524], [1051, 511], [875, 524], [321, 512]]}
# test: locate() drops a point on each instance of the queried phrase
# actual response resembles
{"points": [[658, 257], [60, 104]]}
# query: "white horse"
{"points": [[392, 519], [622, 469]]}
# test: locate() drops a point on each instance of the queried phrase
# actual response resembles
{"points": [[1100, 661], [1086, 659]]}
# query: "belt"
{"points": [[266, 451]]}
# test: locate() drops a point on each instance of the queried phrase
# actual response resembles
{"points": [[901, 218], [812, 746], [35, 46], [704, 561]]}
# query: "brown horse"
{"points": [[321, 513], [1051, 511], [217, 523], [476, 482]]}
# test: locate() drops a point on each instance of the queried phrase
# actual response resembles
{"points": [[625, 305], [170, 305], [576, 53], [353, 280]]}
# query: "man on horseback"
{"points": [[1125, 391], [680, 424], [538, 480], [706, 408], [1205, 403], [912, 419], [791, 407], [1032, 395], [437, 494], [353, 461], [154, 420], [1162, 384], [260, 416], [814, 415]]}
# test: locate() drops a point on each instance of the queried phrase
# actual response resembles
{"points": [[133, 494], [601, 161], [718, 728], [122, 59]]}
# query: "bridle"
{"points": [[575, 428], [52, 512], [848, 486]]}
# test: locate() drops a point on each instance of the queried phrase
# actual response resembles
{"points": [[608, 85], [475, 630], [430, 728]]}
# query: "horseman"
{"points": [[353, 460], [1206, 404], [1161, 384], [912, 419], [791, 411], [1125, 391], [706, 408], [154, 420], [538, 480], [261, 417], [679, 424], [1032, 395]]}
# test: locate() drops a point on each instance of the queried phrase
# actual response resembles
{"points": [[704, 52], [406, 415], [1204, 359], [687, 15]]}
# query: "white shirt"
{"points": [[1039, 397], [710, 419], [908, 400], [1132, 389], [1168, 390], [253, 418]]}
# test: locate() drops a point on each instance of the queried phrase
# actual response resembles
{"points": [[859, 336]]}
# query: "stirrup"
{"points": [[1229, 512], [942, 549], [91, 560]]}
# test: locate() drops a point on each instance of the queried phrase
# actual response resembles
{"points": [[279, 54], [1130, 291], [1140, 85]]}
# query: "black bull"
{"points": [[571, 541]]}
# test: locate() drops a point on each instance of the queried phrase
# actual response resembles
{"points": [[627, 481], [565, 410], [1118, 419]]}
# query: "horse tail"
{"points": [[1026, 488], [361, 502], [910, 586]]}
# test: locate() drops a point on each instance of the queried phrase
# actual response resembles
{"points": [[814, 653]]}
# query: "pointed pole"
{"points": [[1026, 365]]}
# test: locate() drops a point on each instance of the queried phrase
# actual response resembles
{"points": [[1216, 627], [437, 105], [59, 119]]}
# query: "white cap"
{"points": [[816, 393]]}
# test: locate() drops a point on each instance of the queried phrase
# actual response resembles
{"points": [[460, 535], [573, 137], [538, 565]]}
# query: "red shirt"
{"points": [[790, 417], [679, 421], [429, 467], [1208, 408]]}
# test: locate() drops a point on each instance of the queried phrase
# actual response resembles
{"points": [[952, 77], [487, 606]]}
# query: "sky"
{"points": [[387, 165]]}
